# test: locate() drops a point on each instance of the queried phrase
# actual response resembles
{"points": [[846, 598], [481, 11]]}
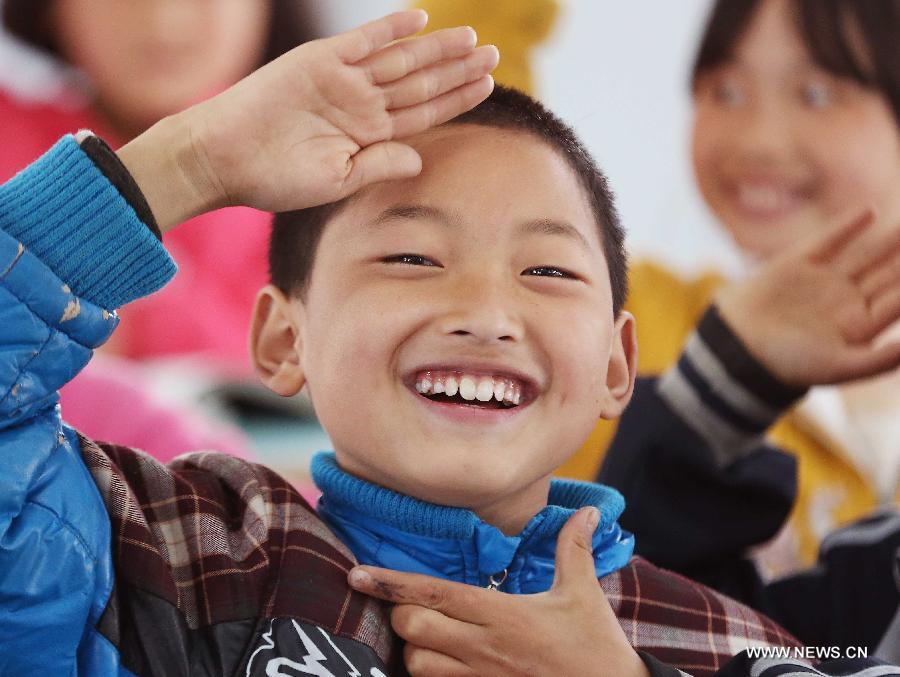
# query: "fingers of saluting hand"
{"points": [[884, 309], [359, 43], [402, 58], [418, 118], [426, 80], [867, 255], [430, 82]]}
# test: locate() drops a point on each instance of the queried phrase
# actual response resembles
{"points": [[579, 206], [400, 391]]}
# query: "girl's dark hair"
{"points": [[295, 235], [856, 39], [291, 24]]}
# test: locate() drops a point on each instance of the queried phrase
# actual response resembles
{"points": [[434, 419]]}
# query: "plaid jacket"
{"points": [[222, 568]]}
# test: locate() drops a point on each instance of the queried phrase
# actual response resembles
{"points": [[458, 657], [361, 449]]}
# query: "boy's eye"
{"points": [[817, 94], [410, 260], [550, 271]]}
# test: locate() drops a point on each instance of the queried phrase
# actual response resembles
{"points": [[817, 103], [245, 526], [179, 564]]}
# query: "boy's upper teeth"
{"points": [[451, 385], [470, 386]]}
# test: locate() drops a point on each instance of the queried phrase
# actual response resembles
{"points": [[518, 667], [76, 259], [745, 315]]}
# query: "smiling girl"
{"points": [[796, 130]]}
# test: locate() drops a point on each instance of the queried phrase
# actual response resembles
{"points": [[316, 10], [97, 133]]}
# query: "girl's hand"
{"points": [[314, 125], [812, 315], [452, 629]]}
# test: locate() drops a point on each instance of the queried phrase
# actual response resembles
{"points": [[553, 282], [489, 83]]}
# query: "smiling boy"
{"points": [[432, 297], [482, 257]]}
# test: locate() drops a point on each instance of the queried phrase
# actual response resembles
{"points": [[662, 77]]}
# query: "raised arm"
{"points": [[691, 446], [70, 247]]}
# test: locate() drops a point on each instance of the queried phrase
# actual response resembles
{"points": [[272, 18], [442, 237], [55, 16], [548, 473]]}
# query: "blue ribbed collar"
{"points": [[375, 521]]}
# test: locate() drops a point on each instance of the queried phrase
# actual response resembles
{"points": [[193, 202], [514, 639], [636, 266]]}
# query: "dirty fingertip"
{"points": [[359, 578]]}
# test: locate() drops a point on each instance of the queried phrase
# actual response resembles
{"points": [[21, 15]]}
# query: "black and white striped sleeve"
{"points": [[701, 485], [724, 393]]}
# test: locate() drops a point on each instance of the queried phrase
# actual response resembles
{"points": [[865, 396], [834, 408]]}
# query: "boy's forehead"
{"points": [[474, 169], [469, 137]]}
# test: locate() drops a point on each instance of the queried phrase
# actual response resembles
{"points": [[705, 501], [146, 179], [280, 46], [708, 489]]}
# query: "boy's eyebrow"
{"points": [[554, 227], [545, 226], [408, 212]]}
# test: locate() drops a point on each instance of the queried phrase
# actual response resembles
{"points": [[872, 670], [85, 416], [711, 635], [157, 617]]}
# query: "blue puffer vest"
{"points": [[387, 529]]}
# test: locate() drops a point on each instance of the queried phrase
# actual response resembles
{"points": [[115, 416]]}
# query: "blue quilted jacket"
{"points": [[56, 572]]}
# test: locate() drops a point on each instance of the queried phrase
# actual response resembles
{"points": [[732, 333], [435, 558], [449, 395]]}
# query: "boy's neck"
{"points": [[511, 514], [508, 513]]}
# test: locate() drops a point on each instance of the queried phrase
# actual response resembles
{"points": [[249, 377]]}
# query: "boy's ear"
{"points": [[622, 367], [275, 345]]}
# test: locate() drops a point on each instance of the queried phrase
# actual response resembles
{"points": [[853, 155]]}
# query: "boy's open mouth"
{"points": [[483, 391]]}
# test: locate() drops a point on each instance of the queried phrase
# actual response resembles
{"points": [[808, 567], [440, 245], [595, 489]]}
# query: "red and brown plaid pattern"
{"points": [[223, 540], [683, 623]]}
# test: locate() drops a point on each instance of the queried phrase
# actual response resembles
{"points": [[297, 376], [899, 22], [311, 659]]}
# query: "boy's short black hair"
{"points": [[295, 235], [856, 39]]}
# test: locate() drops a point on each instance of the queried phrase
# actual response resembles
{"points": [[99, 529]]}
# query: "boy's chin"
{"points": [[476, 489], [476, 478]]}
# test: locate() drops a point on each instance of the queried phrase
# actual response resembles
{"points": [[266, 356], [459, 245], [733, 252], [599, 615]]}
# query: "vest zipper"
{"points": [[496, 580]]}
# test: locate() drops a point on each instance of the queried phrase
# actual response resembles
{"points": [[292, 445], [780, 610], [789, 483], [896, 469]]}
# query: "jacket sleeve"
{"points": [[851, 597], [690, 447], [71, 248]]}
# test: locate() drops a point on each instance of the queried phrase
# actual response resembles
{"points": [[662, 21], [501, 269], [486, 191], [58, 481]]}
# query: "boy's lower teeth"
{"points": [[456, 399]]}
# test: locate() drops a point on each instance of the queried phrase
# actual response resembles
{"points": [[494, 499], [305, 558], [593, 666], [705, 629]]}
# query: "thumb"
{"points": [[574, 550], [383, 161]]}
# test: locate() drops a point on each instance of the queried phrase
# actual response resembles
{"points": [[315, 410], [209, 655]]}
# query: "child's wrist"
{"points": [[167, 165]]}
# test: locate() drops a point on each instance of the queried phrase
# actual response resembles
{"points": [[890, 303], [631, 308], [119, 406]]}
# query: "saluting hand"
{"points": [[316, 124]]}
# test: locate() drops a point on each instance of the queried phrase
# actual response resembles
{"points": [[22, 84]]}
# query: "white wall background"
{"points": [[615, 70]]}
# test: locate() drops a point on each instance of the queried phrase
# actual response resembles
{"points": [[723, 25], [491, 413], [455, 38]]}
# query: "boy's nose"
{"points": [[483, 314]]}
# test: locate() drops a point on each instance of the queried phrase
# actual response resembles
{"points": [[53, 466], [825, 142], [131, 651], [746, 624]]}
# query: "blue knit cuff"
{"points": [[65, 211]]}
